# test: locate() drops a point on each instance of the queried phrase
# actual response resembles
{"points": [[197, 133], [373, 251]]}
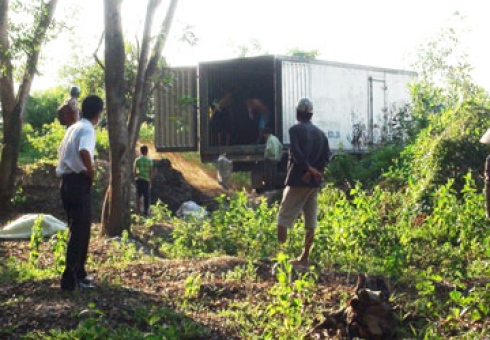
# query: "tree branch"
{"points": [[150, 70], [134, 117], [97, 60], [47, 13]]}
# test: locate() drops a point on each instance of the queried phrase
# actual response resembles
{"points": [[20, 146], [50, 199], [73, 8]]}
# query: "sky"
{"points": [[384, 33]]}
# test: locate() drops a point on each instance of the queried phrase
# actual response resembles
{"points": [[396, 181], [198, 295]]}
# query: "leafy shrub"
{"points": [[43, 144], [147, 132], [41, 107], [102, 146], [366, 169], [237, 228], [447, 149]]}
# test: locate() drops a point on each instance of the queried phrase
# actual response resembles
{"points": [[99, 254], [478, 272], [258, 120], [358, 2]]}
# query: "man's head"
{"points": [[304, 110], [267, 132], [75, 91], [144, 150], [92, 107]]}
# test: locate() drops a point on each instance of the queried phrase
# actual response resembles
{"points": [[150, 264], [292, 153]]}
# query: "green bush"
{"points": [[147, 132], [41, 107], [366, 169], [43, 144], [448, 148]]}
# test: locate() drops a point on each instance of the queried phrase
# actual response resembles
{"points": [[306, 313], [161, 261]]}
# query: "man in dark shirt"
{"points": [[308, 155]]}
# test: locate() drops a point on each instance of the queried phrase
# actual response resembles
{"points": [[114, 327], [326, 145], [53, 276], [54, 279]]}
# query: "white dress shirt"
{"points": [[79, 136]]}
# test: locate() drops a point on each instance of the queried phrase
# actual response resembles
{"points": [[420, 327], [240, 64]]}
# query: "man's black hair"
{"points": [[92, 106], [144, 149]]}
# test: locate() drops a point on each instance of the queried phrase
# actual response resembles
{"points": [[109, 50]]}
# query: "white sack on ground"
{"points": [[22, 227], [191, 208], [485, 139], [225, 168]]}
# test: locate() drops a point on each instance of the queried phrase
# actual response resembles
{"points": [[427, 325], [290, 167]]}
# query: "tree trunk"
{"points": [[10, 156], [123, 132], [13, 106], [116, 215]]}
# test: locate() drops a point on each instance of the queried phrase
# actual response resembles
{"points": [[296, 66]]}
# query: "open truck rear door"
{"points": [[176, 110]]}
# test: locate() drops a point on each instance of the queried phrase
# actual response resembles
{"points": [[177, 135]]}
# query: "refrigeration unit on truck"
{"points": [[355, 105]]}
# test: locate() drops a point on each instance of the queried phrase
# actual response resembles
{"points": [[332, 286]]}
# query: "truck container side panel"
{"points": [[377, 106], [340, 100], [176, 116], [398, 91], [204, 104], [398, 100], [295, 85], [353, 105], [390, 94]]}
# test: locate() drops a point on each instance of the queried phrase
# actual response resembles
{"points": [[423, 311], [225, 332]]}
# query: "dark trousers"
{"points": [[270, 173], [143, 189], [75, 195]]}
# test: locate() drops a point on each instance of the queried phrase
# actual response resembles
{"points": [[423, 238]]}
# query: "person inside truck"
{"points": [[257, 109], [221, 122]]}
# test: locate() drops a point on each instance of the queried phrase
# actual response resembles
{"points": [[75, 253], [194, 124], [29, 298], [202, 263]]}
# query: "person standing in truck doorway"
{"points": [[256, 108], [308, 155], [272, 156], [221, 121], [143, 173]]}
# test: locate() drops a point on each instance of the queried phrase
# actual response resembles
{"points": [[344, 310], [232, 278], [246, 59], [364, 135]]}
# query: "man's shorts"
{"points": [[295, 200], [142, 187]]}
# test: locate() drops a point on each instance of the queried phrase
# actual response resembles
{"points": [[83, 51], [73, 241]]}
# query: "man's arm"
{"points": [[296, 152], [151, 173], [87, 162]]}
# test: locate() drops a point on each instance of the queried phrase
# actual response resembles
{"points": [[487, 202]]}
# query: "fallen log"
{"points": [[368, 315]]}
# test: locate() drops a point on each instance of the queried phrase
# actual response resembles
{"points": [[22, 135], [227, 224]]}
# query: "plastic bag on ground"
{"points": [[225, 168], [22, 227], [191, 208]]}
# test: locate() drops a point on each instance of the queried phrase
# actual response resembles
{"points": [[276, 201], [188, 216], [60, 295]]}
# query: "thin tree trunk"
{"points": [[13, 106], [144, 84]]}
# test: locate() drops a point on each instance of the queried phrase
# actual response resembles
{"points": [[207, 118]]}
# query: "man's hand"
{"points": [[90, 174], [314, 174], [86, 160]]}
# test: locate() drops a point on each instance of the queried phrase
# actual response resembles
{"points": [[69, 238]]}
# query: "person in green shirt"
{"points": [[143, 173], [272, 156]]}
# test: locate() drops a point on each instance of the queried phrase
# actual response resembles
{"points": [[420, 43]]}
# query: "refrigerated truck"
{"points": [[356, 106]]}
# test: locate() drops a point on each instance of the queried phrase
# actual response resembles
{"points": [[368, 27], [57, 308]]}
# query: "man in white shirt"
{"points": [[75, 167], [272, 156]]}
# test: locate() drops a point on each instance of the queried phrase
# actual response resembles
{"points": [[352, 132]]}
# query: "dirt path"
{"points": [[198, 177], [193, 172]]}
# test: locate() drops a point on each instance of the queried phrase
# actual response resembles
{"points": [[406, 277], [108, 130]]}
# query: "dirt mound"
{"points": [[171, 187], [177, 180]]}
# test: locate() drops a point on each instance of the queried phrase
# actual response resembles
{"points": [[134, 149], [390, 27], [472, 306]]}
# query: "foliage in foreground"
{"points": [[441, 258]]}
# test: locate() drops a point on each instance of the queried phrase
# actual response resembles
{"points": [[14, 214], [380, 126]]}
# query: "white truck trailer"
{"points": [[355, 105]]}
